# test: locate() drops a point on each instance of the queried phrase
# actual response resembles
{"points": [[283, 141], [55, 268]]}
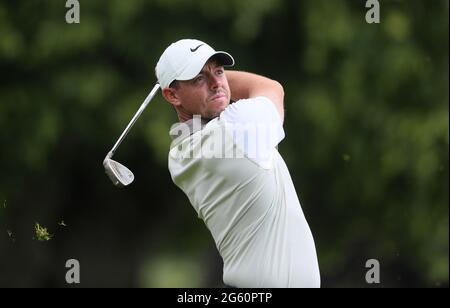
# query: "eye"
{"points": [[220, 71], [198, 79]]}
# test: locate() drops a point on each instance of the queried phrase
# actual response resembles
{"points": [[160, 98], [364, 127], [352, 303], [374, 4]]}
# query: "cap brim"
{"points": [[223, 57]]}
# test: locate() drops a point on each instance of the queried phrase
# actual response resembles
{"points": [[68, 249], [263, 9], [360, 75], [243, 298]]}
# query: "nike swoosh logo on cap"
{"points": [[195, 49]]}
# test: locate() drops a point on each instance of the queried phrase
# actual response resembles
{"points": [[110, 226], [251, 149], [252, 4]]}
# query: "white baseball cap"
{"points": [[184, 59]]}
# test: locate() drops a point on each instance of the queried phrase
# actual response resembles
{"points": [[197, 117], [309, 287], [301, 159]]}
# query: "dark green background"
{"points": [[367, 137]]}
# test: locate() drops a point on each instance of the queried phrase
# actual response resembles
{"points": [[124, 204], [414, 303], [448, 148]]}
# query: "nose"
{"points": [[214, 82]]}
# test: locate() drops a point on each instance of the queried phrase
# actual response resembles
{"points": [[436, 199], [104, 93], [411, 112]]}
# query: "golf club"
{"points": [[118, 173]]}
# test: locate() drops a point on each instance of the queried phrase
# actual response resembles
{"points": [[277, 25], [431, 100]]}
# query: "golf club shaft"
{"points": [[134, 119]]}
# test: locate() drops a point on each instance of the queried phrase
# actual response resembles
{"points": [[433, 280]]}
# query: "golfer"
{"points": [[224, 157]]}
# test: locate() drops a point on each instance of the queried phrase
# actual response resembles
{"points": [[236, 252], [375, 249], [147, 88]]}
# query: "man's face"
{"points": [[208, 94]]}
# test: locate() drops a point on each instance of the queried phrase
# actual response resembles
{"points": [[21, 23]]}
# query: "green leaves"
{"points": [[41, 233]]}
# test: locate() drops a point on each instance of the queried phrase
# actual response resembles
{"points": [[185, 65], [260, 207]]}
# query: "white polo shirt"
{"points": [[239, 185]]}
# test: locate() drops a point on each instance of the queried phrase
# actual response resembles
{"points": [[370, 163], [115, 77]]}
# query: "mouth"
{"points": [[217, 97]]}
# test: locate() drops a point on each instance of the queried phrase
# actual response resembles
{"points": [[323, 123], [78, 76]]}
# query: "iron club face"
{"points": [[119, 174]]}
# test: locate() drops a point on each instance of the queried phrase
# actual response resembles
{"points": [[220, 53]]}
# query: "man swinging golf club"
{"points": [[243, 192]]}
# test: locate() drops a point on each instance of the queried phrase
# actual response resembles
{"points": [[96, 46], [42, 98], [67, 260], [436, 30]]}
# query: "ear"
{"points": [[171, 96]]}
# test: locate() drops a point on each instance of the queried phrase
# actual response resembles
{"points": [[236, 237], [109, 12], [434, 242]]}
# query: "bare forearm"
{"points": [[241, 84], [247, 85]]}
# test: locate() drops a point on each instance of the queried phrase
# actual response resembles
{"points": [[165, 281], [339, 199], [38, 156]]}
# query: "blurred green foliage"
{"points": [[367, 136]]}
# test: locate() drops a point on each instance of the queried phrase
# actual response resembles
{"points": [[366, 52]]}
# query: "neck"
{"points": [[183, 116]]}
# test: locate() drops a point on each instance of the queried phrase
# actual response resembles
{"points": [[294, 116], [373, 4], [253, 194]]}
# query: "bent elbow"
{"points": [[279, 88]]}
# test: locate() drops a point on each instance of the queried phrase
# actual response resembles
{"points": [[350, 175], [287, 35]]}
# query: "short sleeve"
{"points": [[256, 126]]}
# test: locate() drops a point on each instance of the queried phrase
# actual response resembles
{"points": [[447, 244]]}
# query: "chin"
{"points": [[217, 109], [214, 113]]}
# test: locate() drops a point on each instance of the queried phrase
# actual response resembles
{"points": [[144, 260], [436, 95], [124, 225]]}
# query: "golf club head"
{"points": [[118, 173]]}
